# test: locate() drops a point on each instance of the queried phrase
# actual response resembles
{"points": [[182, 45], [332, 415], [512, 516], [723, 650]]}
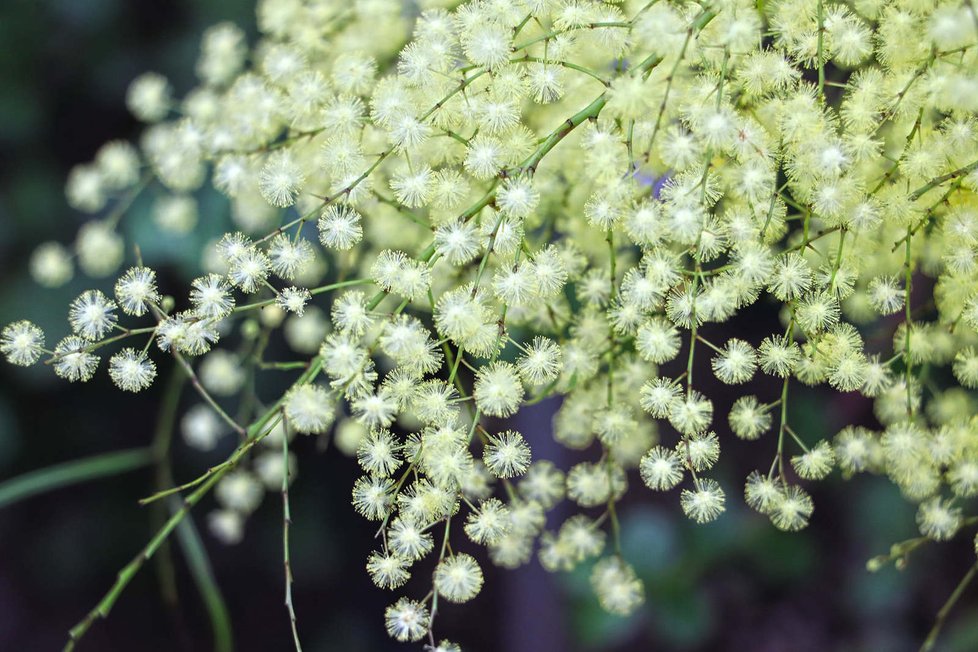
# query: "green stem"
{"points": [[254, 434], [200, 568], [710, 344], [187, 536], [613, 514], [819, 54], [403, 210], [794, 435], [946, 609], [701, 21], [383, 156], [286, 559], [779, 459], [557, 32], [204, 394], [313, 291], [590, 111], [130, 570], [127, 332], [283, 366], [565, 64], [936, 181], [693, 330], [165, 569], [458, 360], [126, 201], [908, 321]]}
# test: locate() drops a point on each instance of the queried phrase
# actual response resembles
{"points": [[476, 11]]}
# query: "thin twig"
{"points": [[165, 569], [946, 609], [204, 394], [286, 523], [255, 432]]}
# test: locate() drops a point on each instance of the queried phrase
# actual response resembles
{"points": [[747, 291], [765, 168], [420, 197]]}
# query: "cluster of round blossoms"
{"points": [[449, 211]]}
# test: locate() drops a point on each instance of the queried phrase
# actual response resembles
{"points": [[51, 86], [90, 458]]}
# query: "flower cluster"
{"points": [[452, 214]]}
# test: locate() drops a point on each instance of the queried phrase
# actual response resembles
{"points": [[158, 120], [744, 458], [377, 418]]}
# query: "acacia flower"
{"points": [[92, 315], [22, 343], [132, 370]]}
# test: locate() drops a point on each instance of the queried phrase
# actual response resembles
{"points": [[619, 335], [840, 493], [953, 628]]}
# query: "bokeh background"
{"points": [[735, 585]]}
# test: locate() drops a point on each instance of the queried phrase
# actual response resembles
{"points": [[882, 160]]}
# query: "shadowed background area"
{"points": [[737, 584]]}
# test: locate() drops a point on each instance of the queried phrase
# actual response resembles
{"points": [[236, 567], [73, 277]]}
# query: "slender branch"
{"points": [[313, 291], [165, 569], [254, 434], [187, 535], [183, 487], [434, 596], [283, 366], [590, 111], [402, 209], [557, 32], [130, 570], [907, 323], [286, 523], [701, 21], [200, 568], [946, 609], [565, 64], [127, 200], [936, 181], [204, 394], [126, 332], [613, 514], [819, 55], [383, 156]]}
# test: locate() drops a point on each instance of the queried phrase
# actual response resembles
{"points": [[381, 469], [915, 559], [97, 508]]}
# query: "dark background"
{"points": [[735, 585]]}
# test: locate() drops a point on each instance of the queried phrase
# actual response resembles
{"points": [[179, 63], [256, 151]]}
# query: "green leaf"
{"points": [[69, 473], [200, 567]]}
